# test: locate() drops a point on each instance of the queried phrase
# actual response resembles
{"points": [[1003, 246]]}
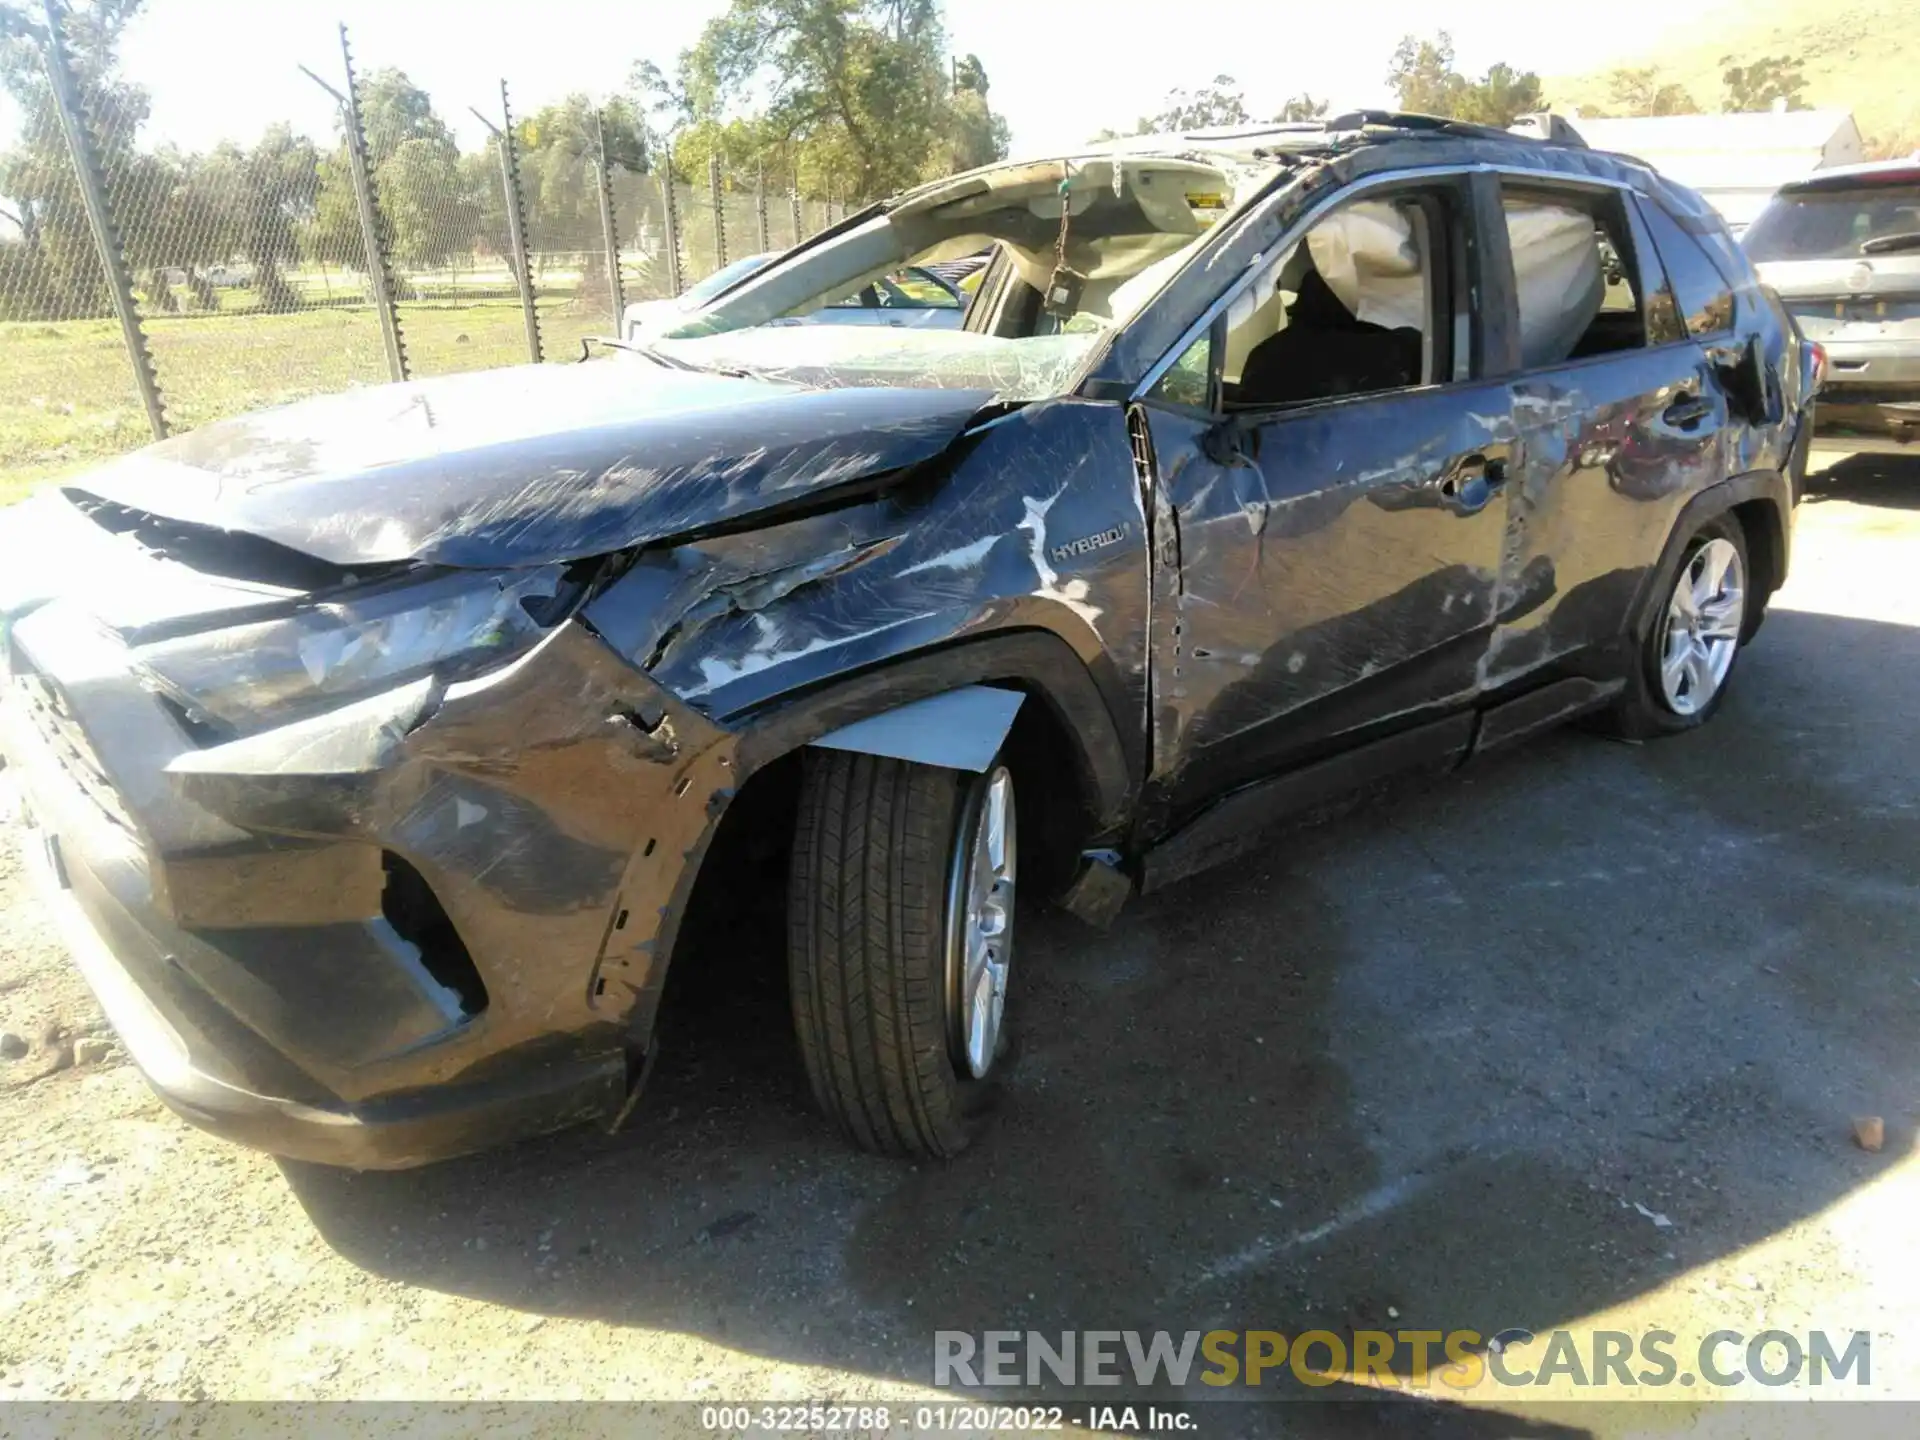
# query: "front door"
{"points": [[1328, 483]]}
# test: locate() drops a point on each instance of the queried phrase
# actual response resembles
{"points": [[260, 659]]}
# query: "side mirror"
{"points": [[1231, 440]]}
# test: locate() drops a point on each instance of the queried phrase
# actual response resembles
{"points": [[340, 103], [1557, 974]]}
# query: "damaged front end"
{"points": [[369, 874], [373, 860]]}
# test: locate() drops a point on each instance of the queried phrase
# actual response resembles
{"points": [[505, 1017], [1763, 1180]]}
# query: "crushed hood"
{"points": [[530, 465]]}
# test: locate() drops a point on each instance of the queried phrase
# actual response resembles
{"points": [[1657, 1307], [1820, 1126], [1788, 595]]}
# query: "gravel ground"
{"points": [[1575, 1039]]}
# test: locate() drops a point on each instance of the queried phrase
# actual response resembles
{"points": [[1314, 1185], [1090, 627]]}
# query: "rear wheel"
{"points": [[1686, 660], [900, 943]]}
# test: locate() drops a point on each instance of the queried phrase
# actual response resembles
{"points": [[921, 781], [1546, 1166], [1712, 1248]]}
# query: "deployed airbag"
{"points": [[1369, 258], [1556, 267]]}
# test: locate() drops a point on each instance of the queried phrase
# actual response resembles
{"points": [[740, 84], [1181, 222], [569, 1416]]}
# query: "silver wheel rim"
{"points": [[980, 923], [1704, 616]]}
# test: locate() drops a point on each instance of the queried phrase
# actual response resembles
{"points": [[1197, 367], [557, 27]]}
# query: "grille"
{"points": [[47, 708]]}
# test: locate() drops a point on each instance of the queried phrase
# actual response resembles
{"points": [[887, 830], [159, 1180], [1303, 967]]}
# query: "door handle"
{"points": [[1687, 411]]}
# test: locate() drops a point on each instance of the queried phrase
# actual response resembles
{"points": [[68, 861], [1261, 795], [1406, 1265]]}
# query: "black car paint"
{"points": [[853, 550], [528, 465]]}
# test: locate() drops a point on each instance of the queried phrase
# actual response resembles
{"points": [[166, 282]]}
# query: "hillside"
{"points": [[1859, 55]]}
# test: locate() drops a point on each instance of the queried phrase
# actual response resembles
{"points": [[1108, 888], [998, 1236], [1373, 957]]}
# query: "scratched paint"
{"points": [[763, 560]]}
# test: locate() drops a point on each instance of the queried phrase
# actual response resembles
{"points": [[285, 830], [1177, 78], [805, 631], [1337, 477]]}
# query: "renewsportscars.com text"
{"points": [[1456, 1359]]}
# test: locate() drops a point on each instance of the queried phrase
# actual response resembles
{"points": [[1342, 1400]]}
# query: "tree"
{"points": [[1220, 103], [422, 204], [980, 137], [560, 177], [1302, 107], [1422, 74], [57, 270], [279, 191], [427, 206], [333, 235], [394, 110], [1759, 86], [1500, 97], [853, 96], [1640, 92], [232, 201]]}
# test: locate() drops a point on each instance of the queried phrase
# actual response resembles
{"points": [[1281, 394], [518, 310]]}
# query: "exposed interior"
{"points": [[1079, 246], [1350, 309], [1578, 278], [1373, 298]]}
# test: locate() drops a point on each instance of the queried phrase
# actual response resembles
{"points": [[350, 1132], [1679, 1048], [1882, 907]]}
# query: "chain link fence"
{"points": [[191, 286]]}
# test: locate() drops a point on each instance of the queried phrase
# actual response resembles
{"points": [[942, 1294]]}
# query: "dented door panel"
{"points": [[1343, 573], [1606, 451]]}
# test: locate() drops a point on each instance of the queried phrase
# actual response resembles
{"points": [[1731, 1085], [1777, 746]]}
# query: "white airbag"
{"points": [[1556, 267], [1367, 255]]}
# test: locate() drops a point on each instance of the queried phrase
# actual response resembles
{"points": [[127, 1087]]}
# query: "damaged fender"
{"points": [[961, 730]]}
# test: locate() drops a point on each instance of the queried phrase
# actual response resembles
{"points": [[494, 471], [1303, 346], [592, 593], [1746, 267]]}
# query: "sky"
{"points": [[1060, 70]]}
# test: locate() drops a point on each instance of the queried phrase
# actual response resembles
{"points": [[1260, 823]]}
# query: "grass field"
{"points": [[67, 397]]}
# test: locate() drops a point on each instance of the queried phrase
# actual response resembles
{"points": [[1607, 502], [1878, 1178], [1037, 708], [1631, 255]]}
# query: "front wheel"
{"points": [[900, 945], [1686, 661]]}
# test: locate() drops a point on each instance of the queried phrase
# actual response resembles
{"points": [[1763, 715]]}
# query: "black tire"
{"points": [[867, 917], [1642, 711]]}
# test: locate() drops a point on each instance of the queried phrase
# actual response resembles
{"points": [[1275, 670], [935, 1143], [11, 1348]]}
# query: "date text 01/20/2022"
{"points": [[816, 1419]]}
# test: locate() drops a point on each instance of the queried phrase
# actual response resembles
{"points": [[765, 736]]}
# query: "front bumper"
{"points": [[227, 910], [203, 1073]]}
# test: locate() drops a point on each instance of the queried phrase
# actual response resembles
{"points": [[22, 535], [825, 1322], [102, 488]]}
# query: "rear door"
{"points": [[1334, 528], [1617, 413]]}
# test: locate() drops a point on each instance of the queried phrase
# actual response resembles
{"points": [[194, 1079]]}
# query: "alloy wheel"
{"points": [[980, 891], [1704, 616]]}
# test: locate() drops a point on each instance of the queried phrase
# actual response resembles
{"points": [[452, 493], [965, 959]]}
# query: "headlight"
{"points": [[325, 654]]}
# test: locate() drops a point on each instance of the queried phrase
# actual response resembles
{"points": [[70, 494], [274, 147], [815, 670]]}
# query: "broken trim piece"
{"points": [[960, 730]]}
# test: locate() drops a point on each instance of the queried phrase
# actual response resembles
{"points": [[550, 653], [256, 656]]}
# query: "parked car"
{"points": [[1842, 248], [914, 298], [230, 277], [645, 317], [376, 747]]}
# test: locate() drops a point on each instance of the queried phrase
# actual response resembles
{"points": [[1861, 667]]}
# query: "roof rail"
{"points": [[1413, 123]]}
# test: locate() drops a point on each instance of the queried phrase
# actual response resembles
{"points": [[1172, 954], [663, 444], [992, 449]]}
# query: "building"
{"points": [[1735, 161]]}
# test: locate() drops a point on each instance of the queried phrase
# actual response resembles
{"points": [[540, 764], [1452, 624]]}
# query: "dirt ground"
{"points": [[1574, 1040]]}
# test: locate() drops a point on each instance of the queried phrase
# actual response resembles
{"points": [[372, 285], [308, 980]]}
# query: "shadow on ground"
{"points": [[1887, 481], [1438, 1064]]}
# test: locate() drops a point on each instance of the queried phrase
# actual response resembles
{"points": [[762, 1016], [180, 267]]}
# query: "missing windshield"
{"points": [[880, 304]]}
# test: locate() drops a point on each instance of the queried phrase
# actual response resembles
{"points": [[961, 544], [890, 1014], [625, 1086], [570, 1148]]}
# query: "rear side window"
{"points": [[1585, 279], [1702, 292], [1836, 224]]}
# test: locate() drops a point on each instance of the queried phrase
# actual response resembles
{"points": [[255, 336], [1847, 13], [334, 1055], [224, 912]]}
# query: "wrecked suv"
{"points": [[373, 748]]}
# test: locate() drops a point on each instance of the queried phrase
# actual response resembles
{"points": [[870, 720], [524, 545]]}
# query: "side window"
{"points": [[1586, 282], [903, 290], [1664, 325], [916, 290], [1190, 379], [1353, 308], [1702, 293]]}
